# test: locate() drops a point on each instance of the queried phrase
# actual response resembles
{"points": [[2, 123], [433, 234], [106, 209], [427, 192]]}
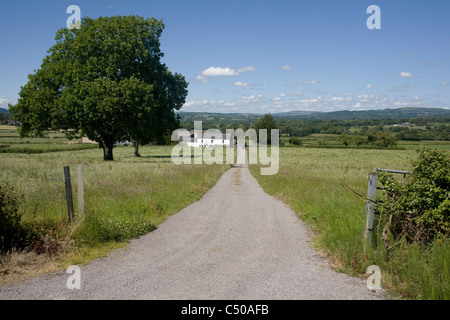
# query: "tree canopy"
{"points": [[265, 122], [105, 80]]}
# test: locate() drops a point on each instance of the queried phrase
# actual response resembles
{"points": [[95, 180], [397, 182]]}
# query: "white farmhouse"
{"points": [[198, 139]]}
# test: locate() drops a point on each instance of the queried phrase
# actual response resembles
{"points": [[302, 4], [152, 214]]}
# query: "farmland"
{"points": [[10, 142], [326, 187], [322, 180], [124, 199]]}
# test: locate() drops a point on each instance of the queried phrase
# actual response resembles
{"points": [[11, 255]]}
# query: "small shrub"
{"points": [[295, 141], [418, 211], [386, 139], [11, 231]]}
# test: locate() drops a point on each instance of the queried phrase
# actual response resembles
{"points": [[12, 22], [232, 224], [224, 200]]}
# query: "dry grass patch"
{"points": [[19, 265]]}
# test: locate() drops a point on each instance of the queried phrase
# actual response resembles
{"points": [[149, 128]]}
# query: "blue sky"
{"points": [[265, 56]]}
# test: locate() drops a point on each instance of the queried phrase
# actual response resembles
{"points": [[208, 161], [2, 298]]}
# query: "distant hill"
{"points": [[210, 116], [3, 110], [400, 113], [299, 113]]}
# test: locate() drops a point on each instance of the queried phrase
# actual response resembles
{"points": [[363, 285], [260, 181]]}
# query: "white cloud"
{"points": [[219, 72], [404, 75], [444, 83], [356, 106], [257, 103], [211, 72], [286, 67], [369, 86], [245, 69], [202, 78], [400, 88], [189, 104], [4, 103], [240, 84], [431, 64], [401, 103], [305, 83]]}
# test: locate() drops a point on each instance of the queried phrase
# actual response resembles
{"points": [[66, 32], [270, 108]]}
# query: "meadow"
{"points": [[327, 188], [324, 182], [124, 199], [323, 140], [10, 142]]}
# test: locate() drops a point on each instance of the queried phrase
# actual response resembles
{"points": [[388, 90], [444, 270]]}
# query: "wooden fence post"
{"points": [[68, 186], [370, 207], [80, 175]]}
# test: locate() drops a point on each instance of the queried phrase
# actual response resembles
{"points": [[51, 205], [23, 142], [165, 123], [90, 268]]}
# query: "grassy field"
{"points": [[10, 142], [320, 140], [124, 199], [326, 187], [131, 196]]}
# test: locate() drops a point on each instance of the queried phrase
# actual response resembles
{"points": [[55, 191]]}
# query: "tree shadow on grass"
{"points": [[157, 158]]}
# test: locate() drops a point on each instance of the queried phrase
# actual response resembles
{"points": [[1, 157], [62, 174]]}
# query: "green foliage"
{"points": [[386, 139], [11, 231], [345, 139], [295, 141], [106, 80], [5, 115], [265, 122], [418, 211], [321, 185], [363, 131]]}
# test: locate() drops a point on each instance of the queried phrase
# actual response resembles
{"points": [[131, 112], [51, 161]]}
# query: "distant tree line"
{"points": [[404, 129], [357, 132], [4, 117]]}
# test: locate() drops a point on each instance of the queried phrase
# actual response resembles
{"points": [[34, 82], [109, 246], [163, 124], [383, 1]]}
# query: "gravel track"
{"points": [[235, 243]]}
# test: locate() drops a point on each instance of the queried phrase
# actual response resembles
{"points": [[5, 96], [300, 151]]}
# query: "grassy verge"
{"points": [[326, 187], [124, 199]]}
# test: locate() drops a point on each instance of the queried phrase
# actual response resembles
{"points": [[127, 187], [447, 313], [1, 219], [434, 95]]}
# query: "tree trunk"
{"points": [[107, 145], [136, 149]]}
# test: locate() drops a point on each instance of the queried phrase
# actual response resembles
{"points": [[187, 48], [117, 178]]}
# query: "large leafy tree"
{"points": [[106, 80], [266, 122]]}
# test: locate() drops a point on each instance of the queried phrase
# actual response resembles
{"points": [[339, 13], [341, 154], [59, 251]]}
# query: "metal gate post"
{"points": [[370, 207]]}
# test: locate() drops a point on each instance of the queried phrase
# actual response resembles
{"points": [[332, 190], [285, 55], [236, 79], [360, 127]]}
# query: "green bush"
{"points": [[386, 139], [418, 211], [11, 231], [295, 141]]}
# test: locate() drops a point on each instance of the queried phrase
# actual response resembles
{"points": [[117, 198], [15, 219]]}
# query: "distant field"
{"points": [[330, 140], [10, 142], [415, 145]]}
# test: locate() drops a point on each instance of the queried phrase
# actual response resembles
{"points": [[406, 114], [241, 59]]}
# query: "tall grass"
{"points": [[125, 198], [326, 187]]}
